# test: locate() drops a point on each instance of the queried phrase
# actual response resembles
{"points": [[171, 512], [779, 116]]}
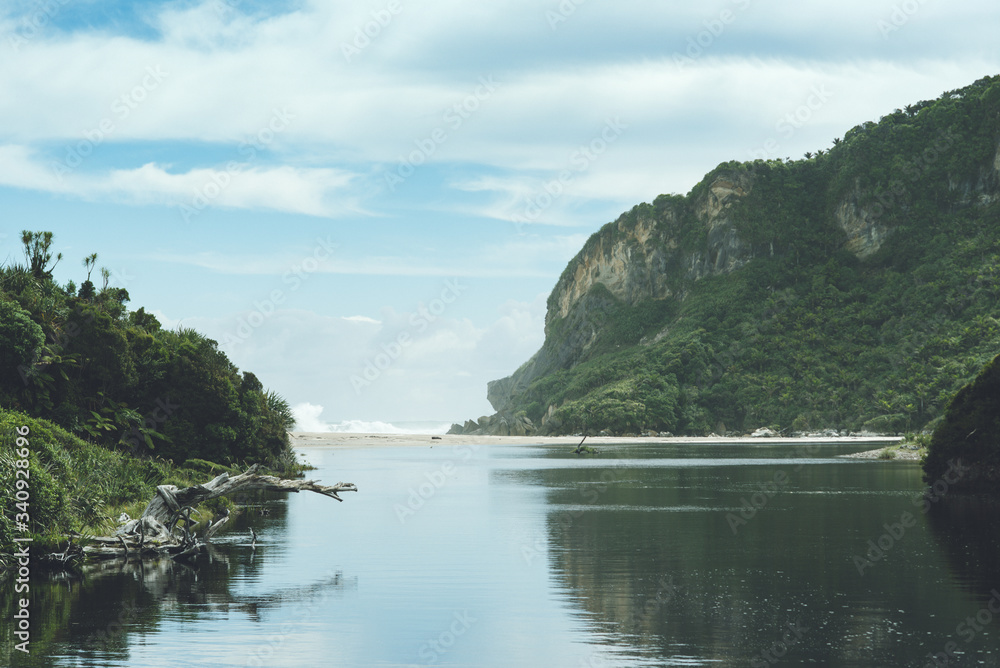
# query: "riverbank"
{"points": [[894, 452], [345, 440]]}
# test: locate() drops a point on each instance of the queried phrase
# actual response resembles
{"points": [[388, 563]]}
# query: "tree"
{"points": [[21, 339], [36, 252], [87, 290], [89, 262]]}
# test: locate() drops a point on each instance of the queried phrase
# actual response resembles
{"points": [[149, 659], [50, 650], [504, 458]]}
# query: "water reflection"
{"points": [[646, 556], [968, 530], [627, 559], [97, 616]]}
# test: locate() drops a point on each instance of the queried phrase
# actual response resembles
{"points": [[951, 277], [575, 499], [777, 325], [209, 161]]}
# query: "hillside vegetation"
{"points": [[857, 288], [80, 358], [115, 404]]}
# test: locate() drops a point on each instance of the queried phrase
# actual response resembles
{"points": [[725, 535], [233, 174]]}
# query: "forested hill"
{"points": [[77, 356], [856, 288]]}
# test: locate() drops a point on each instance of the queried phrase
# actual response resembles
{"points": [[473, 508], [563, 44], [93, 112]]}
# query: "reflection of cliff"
{"points": [[656, 572], [968, 529]]}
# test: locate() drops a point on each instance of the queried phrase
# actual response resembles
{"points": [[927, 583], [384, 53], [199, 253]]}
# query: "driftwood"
{"points": [[164, 529]]}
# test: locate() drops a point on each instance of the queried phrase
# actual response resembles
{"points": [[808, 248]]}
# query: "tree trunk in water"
{"points": [[156, 533]]}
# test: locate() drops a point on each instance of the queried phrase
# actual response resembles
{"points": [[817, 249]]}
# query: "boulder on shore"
{"points": [[496, 425]]}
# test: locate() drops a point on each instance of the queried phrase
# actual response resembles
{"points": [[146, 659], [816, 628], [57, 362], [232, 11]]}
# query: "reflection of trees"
{"points": [[968, 529], [616, 546], [91, 615]]}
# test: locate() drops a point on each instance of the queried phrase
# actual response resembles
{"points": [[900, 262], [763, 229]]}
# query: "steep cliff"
{"points": [[816, 292], [640, 257]]}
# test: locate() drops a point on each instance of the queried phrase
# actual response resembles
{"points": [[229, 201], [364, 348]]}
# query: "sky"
{"points": [[367, 203]]}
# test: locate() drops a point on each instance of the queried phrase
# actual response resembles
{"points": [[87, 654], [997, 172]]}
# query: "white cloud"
{"points": [[439, 372], [519, 255], [226, 74], [362, 319], [282, 188]]}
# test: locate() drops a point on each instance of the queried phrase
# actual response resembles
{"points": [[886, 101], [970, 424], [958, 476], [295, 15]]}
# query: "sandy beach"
{"points": [[347, 440]]}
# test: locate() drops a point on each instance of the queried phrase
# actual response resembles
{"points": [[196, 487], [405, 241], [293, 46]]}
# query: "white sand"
{"points": [[340, 440]]}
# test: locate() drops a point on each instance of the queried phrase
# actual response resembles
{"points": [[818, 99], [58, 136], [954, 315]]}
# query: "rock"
{"points": [[500, 424], [548, 415], [521, 426], [764, 432], [635, 260], [665, 434], [864, 231]]}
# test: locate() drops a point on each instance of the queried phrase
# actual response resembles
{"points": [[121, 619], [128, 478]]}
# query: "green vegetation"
{"points": [[115, 403], [969, 434], [807, 333], [81, 486]]}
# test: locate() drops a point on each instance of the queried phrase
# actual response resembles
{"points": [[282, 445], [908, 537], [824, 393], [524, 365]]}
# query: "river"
{"points": [[742, 554]]}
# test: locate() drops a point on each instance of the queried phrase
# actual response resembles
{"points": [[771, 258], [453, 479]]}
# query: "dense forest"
{"points": [[855, 289], [115, 403]]}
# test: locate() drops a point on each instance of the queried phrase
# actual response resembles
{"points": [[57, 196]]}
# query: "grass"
{"points": [[81, 487]]}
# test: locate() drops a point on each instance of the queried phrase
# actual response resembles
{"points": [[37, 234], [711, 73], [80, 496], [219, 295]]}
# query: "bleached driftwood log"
{"points": [[165, 525]]}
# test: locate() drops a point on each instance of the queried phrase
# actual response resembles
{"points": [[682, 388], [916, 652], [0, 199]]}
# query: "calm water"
{"points": [[531, 556]]}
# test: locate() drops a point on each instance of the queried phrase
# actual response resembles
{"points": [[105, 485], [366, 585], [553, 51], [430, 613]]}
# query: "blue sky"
{"points": [[329, 177]]}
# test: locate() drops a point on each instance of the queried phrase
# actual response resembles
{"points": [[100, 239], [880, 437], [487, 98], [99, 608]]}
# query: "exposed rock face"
{"points": [[495, 425], [983, 190], [631, 257], [865, 225], [726, 252], [657, 252], [634, 259], [624, 261], [865, 233]]}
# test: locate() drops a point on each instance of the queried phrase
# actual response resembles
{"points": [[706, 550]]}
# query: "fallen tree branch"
{"points": [[155, 531]]}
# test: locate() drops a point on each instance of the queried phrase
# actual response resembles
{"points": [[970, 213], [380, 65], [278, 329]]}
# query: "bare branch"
{"points": [[154, 532]]}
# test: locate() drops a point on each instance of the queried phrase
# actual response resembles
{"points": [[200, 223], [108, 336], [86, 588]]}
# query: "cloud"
{"points": [[362, 319], [518, 255], [227, 72], [359, 370], [282, 188]]}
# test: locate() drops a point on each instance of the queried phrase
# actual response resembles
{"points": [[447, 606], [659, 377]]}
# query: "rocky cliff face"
{"points": [[641, 257], [658, 252], [636, 258], [633, 256], [864, 229], [865, 224]]}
